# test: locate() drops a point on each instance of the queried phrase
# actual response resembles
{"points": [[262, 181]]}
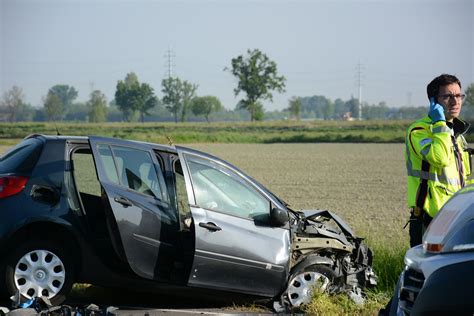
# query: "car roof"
{"points": [[56, 137], [111, 139], [168, 148]]}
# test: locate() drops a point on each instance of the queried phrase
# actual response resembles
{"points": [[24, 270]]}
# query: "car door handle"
{"points": [[211, 226], [125, 202]]}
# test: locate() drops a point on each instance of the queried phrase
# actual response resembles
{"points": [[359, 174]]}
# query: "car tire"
{"points": [[303, 282], [39, 269]]}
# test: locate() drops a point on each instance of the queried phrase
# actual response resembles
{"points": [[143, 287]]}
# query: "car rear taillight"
{"points": [[11, 185]]}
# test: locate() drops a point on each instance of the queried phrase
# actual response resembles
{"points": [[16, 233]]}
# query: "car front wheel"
{"points": [[303, 283], [39, 269]]}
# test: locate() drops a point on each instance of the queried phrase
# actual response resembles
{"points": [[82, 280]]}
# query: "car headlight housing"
{"points": [[452, 229]]}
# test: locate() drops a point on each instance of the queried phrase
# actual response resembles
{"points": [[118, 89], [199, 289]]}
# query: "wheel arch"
{"points": [[312, 260], [46, 230]]}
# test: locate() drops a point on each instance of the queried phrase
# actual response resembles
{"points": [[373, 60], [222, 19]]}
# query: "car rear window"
{"points": [[22, 157]]}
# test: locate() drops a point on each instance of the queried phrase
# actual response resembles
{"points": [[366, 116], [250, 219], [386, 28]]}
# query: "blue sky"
{"points": [[317, 45]]}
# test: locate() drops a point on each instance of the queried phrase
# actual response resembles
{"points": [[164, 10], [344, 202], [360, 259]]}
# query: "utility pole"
{"points": [[169, 57], [359, 84]]}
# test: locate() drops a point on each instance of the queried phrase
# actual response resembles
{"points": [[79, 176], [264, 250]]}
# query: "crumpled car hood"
{"points": [[313, 214]]}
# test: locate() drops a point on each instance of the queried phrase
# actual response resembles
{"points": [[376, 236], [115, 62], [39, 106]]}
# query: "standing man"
{"points": [[437, 157]]}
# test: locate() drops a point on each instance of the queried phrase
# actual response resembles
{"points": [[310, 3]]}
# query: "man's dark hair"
{"points": [[433, 87]]}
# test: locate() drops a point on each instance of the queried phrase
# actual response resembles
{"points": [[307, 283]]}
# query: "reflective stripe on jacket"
{"points": [[435, 170]]}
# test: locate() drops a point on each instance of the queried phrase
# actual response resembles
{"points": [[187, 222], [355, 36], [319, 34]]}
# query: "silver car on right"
{"points": [[439, 274]]}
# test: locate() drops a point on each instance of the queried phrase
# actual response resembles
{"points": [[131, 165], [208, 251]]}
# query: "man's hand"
{"points": [[436, 112]]}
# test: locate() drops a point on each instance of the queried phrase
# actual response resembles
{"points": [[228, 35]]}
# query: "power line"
{"points": [[169, 58], [359, 84]]}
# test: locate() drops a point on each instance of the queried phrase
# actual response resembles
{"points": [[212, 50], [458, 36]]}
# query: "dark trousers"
{"points": [[418, 226]]}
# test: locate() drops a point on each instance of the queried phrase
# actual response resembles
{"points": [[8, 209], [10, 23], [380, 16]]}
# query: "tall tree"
{"points": [[66, 94], [145, 100], [189, 91], [53, 107], [257, 77], [172, 95], [97, 107], [294, 106], [206, 105], [123, 96], [13, 102], [177, 96], [132, 97]]}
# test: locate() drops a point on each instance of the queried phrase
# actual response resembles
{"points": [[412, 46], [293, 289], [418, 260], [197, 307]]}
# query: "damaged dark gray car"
{"points": [[123, 213]]}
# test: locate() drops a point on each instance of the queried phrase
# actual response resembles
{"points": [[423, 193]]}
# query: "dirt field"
{"points": [[363, 183]]}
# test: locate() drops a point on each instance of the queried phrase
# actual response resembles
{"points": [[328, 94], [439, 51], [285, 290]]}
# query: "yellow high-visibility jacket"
{"points": [[437, 161]]}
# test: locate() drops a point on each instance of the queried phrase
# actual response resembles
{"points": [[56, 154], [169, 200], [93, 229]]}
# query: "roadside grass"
{"points": [[324, 304], [222, 132], [388, 263]]}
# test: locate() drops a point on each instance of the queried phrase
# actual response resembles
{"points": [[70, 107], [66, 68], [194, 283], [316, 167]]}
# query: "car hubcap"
{"points": [[300, 288], [39, 273]]}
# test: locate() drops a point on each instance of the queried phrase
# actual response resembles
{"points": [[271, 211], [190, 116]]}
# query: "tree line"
{"points": [[257, 77]]}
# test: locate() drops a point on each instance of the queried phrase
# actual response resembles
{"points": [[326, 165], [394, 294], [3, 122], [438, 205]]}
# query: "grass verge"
{"points": [[324, 304]]}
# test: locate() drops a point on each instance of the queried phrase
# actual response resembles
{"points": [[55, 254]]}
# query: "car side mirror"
{"points": [[278, 217]]}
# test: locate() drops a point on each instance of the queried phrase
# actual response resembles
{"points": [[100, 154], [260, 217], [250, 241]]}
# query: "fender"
{"points": [[312, 260], [38, 221]]}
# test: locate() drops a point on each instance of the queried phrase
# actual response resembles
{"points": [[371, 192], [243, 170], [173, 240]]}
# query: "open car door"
{"points": [[141, 221], [236, 247]]}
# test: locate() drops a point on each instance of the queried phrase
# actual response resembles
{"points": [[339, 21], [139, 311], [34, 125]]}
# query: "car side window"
{"points": [[108, 163], [133, 168], [221, 189]]}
